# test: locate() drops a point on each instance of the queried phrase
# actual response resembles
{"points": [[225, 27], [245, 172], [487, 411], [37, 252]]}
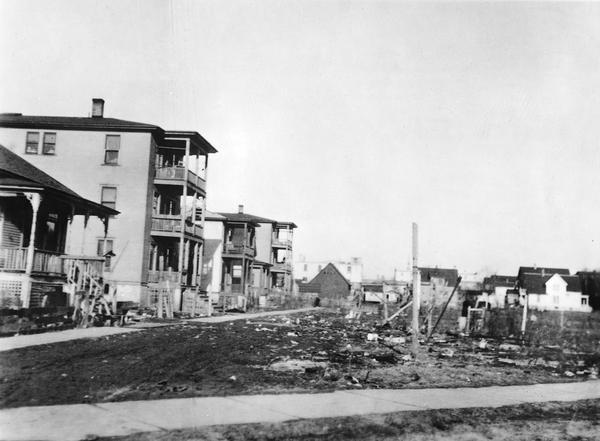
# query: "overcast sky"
{"points": [[478, 121]]}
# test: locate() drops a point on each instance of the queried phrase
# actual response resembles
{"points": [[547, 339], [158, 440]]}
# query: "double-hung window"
{"points": [[111, 149], [49, 146], [109, 197], [32, 143]]}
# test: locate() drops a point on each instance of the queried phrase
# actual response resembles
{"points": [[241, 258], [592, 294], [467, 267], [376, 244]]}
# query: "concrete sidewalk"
{"points": [[22, 341], [78, 421]]}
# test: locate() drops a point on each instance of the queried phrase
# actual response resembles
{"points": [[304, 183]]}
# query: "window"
{"points": [[109, 197], [305, 267], [49, 147], [584, 301], [111, 149], [32, 143], [105, 248], [349, 269], [555, 300]]}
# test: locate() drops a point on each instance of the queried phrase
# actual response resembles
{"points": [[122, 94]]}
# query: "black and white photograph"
{"points": [[295, 220]]}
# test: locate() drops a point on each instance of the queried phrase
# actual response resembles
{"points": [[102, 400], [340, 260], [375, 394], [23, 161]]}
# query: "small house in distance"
{"points": [[552, 289], [438, 283], [329, 285]]}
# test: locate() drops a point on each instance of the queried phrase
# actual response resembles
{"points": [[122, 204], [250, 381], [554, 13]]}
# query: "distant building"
{"points": [[552, 289], [329, 284], [437, 285], [495, 289], [351, 270], [156, 178], [247, 255], [590, 286]]}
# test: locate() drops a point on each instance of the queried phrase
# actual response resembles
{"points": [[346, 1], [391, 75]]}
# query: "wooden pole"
{"points": [[416, 289]]}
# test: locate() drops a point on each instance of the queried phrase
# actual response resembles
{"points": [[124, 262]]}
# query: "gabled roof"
{"points": [[496, 280], [16, 173], [325, 270], [542, 270], [18, 120], [448, 274], [536, 283]]}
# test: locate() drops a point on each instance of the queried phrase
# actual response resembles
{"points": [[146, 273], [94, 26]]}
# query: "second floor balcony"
{"points": [[177, 175], [282, 242], [171, 225], [281, 267], [238, 249]]}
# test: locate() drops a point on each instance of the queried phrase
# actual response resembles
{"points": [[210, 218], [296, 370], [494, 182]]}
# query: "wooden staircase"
{"points": [[87, 287]]}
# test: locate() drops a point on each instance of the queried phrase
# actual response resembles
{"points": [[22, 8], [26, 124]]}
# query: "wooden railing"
{"points": [[178, 174], [234, 248], [171, 223], [92, 265], [281, 267], [281, 242], [47, 262], [156, 276], [13, 259]]}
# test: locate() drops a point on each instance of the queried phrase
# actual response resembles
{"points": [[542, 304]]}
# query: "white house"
{"points": [[553, 292]]}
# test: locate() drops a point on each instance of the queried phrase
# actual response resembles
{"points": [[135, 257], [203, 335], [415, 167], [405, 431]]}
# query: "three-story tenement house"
{"points": [[274, 258], [247, 255], [156, 178]]}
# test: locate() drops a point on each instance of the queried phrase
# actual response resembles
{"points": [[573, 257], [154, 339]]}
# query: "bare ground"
{"points": [[307, 352]]}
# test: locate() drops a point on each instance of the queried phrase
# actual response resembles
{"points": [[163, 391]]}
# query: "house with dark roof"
{"points": [[437, 284], [329, 284], [551, 289], [156, 178], [495, 289], [590, 286], [35, 210], [248, 255]]}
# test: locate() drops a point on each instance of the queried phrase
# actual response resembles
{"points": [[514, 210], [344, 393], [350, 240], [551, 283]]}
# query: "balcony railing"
{"points": [[178, 174], [163, 276], [15, 259], [234, 248], [282, 267], [171, 223], [277, 242]]}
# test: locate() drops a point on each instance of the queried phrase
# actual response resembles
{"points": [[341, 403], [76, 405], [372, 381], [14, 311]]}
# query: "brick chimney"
{"points": [[97, 108], [240, 209]]}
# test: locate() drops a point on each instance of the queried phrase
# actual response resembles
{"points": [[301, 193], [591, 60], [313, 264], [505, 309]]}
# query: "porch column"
{"points": [[195, 264], [184, 206], [35, 200], [85, 223]]}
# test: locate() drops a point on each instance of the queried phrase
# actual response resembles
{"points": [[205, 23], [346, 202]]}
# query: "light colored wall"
{"points": [[212, 259], [263, 242], [557, 297], [353, 275], [79, 164]]}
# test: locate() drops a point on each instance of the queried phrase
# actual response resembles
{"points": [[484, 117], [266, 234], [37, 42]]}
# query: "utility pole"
{"points": [[416, 280]]}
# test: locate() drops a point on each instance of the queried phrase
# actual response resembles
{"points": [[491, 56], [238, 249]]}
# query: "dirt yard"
{"points": [[579, 421], [307, 352]]}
